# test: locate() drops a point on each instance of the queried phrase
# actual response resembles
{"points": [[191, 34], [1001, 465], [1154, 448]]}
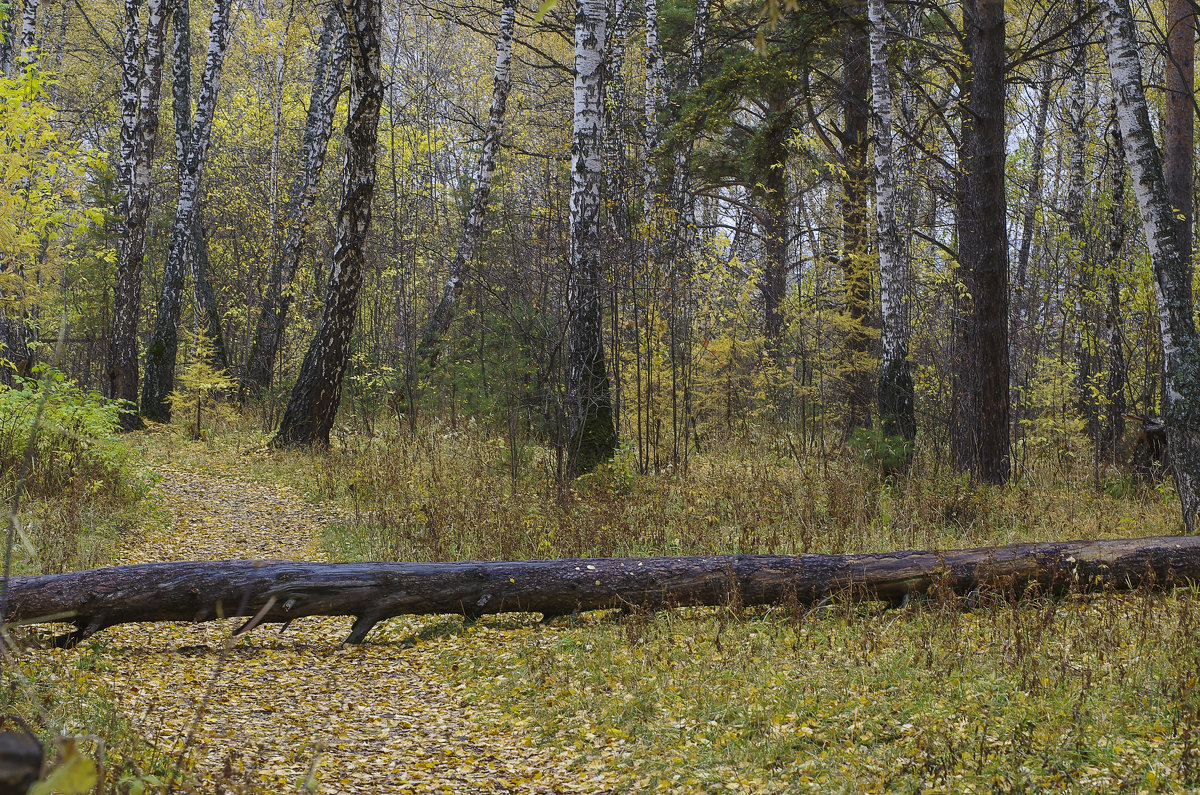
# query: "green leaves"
{"points": [[545, 8]]}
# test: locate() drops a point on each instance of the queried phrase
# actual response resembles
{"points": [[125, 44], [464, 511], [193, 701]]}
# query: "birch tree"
{"points": [[196, 254], [592, 435], [314, 399], [26, 39], [895, 379], [160, 355], [680, 182], [443, 314], [1172, 272], [141, 84], [318, 126], [653, 100], [1076, 227]]}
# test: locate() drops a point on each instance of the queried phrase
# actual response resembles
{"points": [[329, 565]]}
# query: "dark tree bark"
{"points": [[593, 437], [771, 194], [314, 400], [1114, 426], [141, 83], [1172, 266], [282, 591], [1179, 138], [856, 84], [982, 432], [443, 314], [193, 151], [318, 126]]}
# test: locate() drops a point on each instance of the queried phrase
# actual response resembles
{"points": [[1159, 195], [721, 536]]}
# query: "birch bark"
{"points": [[685, 202], [592, 436], [1172, 274], [196, 254], [1114, 427], [1077, 228], [1034, 198], [314, 399], [318, 126], [654, 99], [443, 314], [895, 378], [141, 85], [160, 355]]}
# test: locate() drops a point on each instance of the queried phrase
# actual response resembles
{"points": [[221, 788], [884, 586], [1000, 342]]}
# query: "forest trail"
{"points": [[262, 712]]}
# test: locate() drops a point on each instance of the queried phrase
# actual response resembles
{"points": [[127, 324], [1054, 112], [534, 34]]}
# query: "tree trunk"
{"points": [[1084, 281], [160, 355], [895, 377], [197, 252], [983, 253], [140, 91], [282, 591], [314, 400], [771, 194], [318, 126], [681, 194], [1172, 271], [443, 314], [27, 41], [1114, 427], [856, 84], [593, 437], [654, 100], [1179, 137], [1034, 198]]}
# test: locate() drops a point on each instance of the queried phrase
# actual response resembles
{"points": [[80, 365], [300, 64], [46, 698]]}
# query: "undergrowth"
{"points": [[442, 495], [1084, 693], [82, 489]]}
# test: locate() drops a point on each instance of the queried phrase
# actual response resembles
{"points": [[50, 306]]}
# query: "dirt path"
{"points": [[378, 718]]}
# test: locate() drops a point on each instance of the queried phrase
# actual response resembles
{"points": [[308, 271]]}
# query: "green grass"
{"points": [[1080, 694], [1085, 693]]}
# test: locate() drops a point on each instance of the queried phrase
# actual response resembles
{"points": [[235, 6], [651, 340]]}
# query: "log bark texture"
{"points": [[281, 591]]}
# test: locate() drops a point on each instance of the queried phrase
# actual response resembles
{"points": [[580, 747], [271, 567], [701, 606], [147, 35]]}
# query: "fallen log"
{"points": [[281, 591]]}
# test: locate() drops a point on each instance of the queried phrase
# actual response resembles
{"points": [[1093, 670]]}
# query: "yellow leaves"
{"points": [[74, 774]]}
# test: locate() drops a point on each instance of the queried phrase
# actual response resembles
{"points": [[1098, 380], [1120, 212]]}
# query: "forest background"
{"points": [[847, 265]]}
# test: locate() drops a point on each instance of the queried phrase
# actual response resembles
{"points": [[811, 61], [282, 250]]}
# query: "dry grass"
{"points": [[1079, 694]]}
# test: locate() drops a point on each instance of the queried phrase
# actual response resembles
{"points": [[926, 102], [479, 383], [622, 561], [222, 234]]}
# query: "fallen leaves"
{"points": [[268, 711]]}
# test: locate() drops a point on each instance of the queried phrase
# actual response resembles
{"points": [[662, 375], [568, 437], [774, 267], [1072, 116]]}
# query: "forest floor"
{"points": [[266, 712], [1087, 693]]}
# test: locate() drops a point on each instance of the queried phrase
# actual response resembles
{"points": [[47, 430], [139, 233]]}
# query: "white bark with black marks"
{"points": [[1172, 272], [443, 314], [654, 101], [141, 84], [592, 437], [314, 399], [160, 355], [332, 57], [895, 380], [685, 202]]}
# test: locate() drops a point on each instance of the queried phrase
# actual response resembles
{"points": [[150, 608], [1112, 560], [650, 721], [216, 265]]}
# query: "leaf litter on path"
{"points": [[269, 708]]}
